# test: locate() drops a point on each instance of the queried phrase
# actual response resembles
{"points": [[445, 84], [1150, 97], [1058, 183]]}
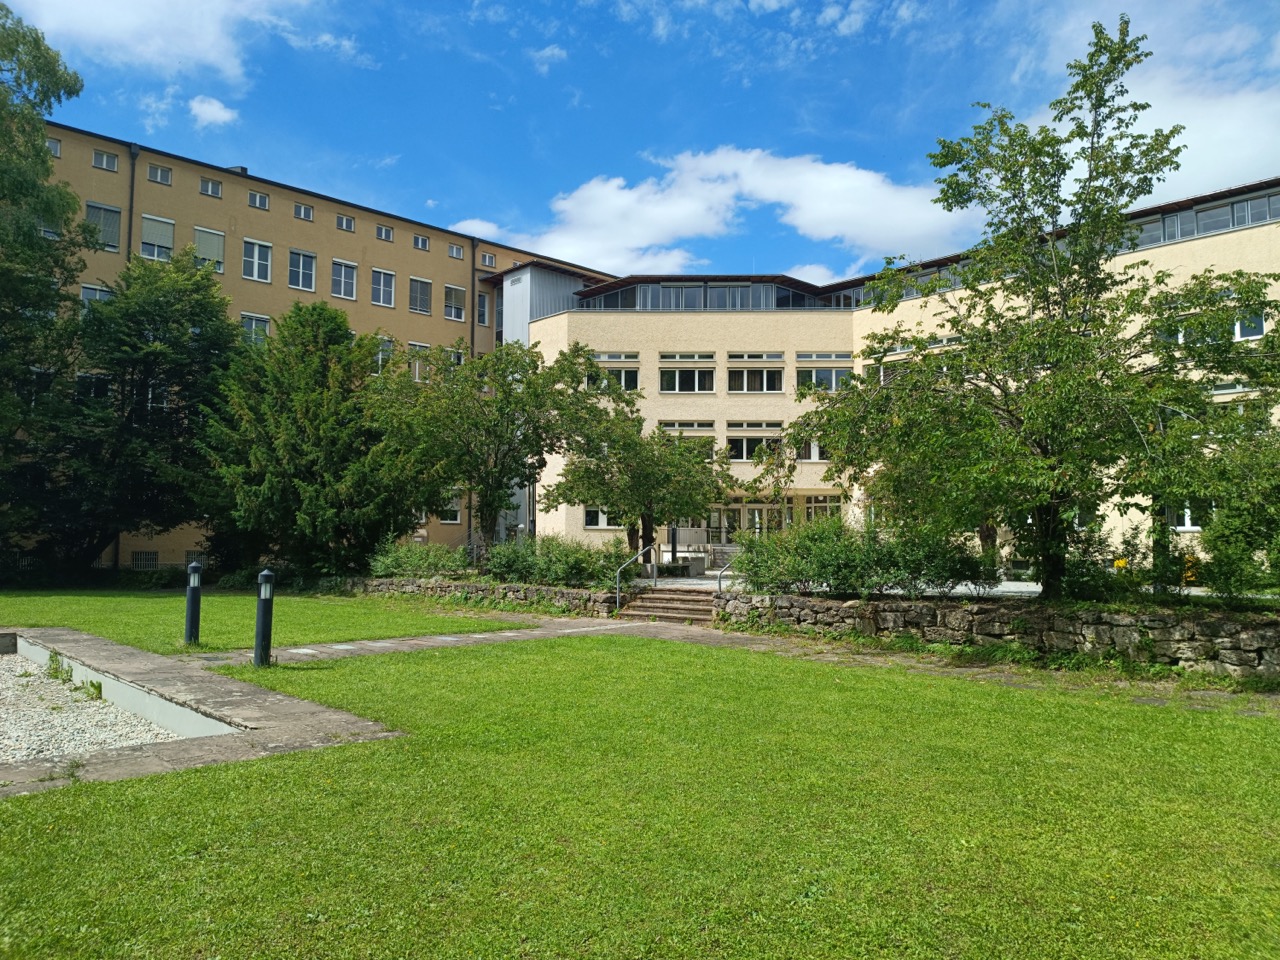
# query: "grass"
{"points": [[624, 797], [155, 621]]}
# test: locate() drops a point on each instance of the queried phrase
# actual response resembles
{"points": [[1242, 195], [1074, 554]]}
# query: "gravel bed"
{"points": [[45, 719]]}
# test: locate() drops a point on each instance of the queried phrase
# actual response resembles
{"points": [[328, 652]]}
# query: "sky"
{"points": [[651, 136]]}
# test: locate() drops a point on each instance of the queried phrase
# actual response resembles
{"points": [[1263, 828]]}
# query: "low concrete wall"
{"points": [[590, 603], [1241, 645]]}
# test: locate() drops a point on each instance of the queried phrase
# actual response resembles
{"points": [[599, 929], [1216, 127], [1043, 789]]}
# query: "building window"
{"points": [[196, 556], [1191, 516], [821, 506], [210, 248], [420, 242], [159, 174], [346, 223], [455, 303], [628, 378], [384, 288], [107, 220], [597, 519], [157, 238], [687, 381], [105, 161], [55, 146], [673, 426], [1250, 328], [145, 559], [482, 309], [257, 261], [451, 513], [344, 280], [418, 360], [210, 188], [809, 450], [304, 211], [259, 200], [455, 251], [302, 270], [90, 292], [256, 328], [744, 448], [384, 232], [823, 378], [755, 381], [419, 295], [488, 260]]}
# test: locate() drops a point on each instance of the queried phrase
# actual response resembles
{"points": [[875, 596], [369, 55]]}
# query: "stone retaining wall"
{"points": [[1241, 646], [590, 603]]}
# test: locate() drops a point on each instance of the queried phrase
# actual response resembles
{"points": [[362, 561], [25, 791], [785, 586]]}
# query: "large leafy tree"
{"points": [[489, 424], [1073, 380], [642, 480], [41, 239], [300, 441], [120, 455]]}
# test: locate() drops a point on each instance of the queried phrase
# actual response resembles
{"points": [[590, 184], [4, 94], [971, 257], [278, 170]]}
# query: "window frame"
{"points": [[378, 287], [488, 260], [218, 265], [385, 233], [455, 251], [421, 242], [301, 255], [412, 308], [143, 244], [251, 324], [602, 519], [450, 308], [355, 271], [211, 188], [163, 174], [258, 246], [700, 375], [767, 375], [304, 211], [54, 146], [259, 195], [110, 161], [346, 223], [106, 207]]}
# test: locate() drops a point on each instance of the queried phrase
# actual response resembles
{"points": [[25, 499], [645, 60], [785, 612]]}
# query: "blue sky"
{"points": [[647, 135]]}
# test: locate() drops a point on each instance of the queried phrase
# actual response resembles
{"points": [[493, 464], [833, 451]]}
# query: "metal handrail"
{"points": [[721, 572], [617, 596]]}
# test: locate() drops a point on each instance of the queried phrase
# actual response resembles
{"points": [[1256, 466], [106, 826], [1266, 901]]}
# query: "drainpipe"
{"points": [[475, 296], [134, 150]]}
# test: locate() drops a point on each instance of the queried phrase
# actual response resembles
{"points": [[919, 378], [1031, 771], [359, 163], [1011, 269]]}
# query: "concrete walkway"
{"points": [[268, 723]]}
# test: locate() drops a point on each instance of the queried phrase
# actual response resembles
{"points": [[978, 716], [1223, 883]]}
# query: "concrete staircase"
{"points": [[671, 605]]}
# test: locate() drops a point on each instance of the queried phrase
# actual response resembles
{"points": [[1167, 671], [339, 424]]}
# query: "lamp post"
{"points": [[192, 635], [262, 632]]}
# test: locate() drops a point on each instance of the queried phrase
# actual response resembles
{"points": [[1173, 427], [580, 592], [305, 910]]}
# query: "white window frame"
{"points": [[90, 292], [699, 375], [383, 232], [256, 195], [354, 269], [416, 353], [455, 251], [488, 260], [345, 223], [314, 261], [455, 508], [218, 265], [252, 323], [745, 374], [155, 252], [54, 146], [109, 247], [258, 247], [210, 188], [482, 309], [417, 310], [303, 211], [378, 287], [162, 175], [421, 242], [103, 160], [602, 519], [450, 309]]}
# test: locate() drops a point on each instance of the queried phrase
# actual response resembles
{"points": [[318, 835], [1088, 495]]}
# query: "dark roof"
{"points": [[803, 286], [581, 273]]}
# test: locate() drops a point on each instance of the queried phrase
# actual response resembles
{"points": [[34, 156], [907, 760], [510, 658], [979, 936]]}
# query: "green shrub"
{"points": [[411, 559], [1234, 566], [555, 561]]}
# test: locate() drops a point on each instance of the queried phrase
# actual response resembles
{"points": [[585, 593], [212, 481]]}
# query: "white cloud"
{"points": [[154, 35], [155, 108], [384, 163], [646, 227], [847, 18], [544, 58], [211, 112], [345, 49]]}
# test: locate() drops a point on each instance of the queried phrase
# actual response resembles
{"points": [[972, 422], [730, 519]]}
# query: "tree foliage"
{"points": [[1077, 380], [488, 425], [118, 450], [299, 441], [641, 480]]}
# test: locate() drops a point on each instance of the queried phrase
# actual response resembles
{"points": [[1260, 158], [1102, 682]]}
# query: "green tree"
{"points": [[488, 424], [1077, 381], [641, 480], [299, 439], [41, 239], [120, 454]]}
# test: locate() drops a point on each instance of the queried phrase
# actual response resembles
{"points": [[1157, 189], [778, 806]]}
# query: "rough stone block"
{"points": [[1238, 658], [958, 620], [891, 621], [991, 627]]}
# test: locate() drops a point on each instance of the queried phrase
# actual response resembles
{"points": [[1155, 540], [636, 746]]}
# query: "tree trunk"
{"points": [[1051, 549], [646, 532], [1165, 573], [633, 538]]}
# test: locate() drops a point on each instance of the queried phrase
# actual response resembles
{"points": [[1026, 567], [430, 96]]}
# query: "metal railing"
{"points": [[720, 573], [617, 595]]}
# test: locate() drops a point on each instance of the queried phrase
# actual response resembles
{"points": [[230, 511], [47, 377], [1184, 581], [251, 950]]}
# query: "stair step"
{"points": [[665, 617]]}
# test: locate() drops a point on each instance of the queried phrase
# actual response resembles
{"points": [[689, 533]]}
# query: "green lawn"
{"points": [[155, 620], [624, 797]]}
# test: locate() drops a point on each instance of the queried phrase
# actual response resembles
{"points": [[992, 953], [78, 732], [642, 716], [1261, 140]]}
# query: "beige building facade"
{"points": [[274, 244], [724, 356]]}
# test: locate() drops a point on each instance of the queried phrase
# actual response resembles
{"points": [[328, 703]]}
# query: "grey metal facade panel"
{"points": [[552, 293]]}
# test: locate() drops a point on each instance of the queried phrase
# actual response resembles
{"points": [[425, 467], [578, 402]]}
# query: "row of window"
{"points": [[735, 517], [1204, 220], [703, 296], [747, 380]]}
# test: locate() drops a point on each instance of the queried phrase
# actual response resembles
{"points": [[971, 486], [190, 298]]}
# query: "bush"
{"points": [[827, 555], [1235, 566], [554, 561], [411, 559]]}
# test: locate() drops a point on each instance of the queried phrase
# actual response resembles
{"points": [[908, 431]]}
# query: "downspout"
{"points": [[475, 295], [134, 150]]}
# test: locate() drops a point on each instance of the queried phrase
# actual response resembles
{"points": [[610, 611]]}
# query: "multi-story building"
{"points": [[274, 244], [724, 356]]}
